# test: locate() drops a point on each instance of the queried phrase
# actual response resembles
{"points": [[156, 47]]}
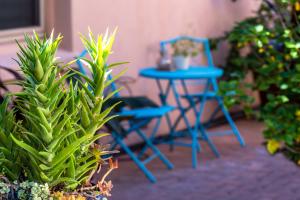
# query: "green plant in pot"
{"points": [[183, 50], [51, 142]]}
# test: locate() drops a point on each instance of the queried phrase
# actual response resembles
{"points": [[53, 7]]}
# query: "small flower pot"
{"points": [[181, 62]]}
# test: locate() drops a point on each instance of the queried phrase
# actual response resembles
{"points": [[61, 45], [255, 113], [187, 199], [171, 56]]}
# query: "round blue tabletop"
{"points": [[194, 72]]}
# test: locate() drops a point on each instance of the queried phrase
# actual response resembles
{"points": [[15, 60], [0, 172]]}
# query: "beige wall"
{"points": [[141, 25]]}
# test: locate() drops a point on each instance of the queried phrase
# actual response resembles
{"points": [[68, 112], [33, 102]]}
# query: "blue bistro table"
{"points": [[193, 73], [208, 74]]}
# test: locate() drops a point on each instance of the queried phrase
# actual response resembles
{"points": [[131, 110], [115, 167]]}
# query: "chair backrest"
{"points": [[82, 69], [203, 41]]}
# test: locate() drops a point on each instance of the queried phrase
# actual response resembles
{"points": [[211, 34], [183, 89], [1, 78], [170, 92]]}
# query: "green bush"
{"points": [[52, 138], [268, 45]]}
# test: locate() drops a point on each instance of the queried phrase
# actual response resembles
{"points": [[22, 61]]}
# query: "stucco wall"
{"points": [[141, 25]]}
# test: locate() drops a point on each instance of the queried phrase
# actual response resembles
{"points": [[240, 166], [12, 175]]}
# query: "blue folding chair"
{"points": [[138, 112], [210, 92]]}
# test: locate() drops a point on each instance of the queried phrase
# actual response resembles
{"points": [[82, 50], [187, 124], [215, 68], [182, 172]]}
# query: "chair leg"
{"points": [[171, 128], [232, 124], [142, 152], [228, 117], [209, 142], [151, 138], [140, 165], [198, 123], [198, 147], [155, 149], [195, 149]]}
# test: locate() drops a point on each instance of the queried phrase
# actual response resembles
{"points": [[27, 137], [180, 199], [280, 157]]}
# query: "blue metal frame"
{"points": [[209, 73], [148, 144], [137, 119], [172, 87]]}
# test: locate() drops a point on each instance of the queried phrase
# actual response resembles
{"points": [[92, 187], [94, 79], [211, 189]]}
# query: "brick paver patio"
{"points": [[240, 174]]}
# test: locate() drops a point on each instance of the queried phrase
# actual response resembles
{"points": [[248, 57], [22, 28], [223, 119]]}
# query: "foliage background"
{"points": [[271, 40]]}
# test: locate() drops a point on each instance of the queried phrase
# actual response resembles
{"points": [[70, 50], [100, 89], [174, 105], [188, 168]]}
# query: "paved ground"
{"points": [[240, 174]]}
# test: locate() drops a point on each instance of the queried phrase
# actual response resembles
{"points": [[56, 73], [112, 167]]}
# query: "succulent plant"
{"points": [[52, 142], [4, 188], [9, 155], [33, 191]]}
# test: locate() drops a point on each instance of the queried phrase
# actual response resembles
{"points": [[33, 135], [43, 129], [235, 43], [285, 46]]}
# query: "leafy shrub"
{"points": [[268, 45]]}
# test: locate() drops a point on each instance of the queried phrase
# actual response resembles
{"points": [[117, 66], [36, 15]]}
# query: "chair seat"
{"points": [[148, 112], [136, 101]]}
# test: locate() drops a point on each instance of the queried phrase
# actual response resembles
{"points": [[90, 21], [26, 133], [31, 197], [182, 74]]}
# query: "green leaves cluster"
{"points": [[51, 141], [31, 190], [268, 45]]}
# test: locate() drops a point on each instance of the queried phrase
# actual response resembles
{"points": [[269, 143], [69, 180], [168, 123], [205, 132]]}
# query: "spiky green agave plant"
{"points": [[59, 123]]}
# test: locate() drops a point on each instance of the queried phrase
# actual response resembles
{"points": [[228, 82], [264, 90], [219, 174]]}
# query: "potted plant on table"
{"points": [[47, 138], [183, 50]]}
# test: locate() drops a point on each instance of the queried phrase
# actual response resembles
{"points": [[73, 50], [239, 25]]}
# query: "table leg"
{"points": [[192, 103], [191, 131], [198, 116], [152, 136], [163, 98]]}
